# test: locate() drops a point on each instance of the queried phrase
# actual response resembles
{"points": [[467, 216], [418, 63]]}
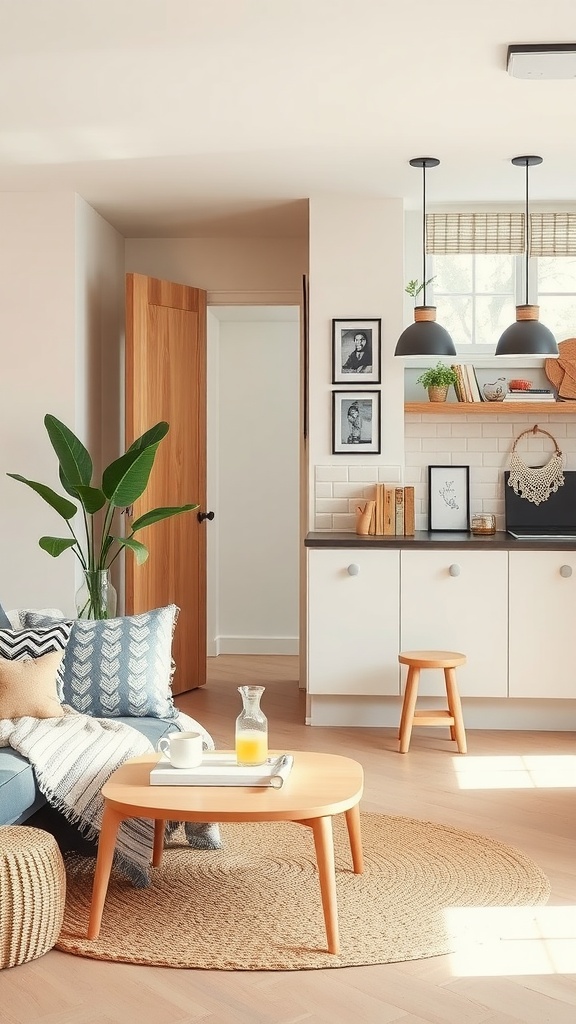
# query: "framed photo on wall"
{"points": [[355, 422], [356, 351], [448, 497]]}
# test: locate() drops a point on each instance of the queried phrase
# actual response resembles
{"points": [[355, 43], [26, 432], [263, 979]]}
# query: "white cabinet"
{"points": [[353, 621], [542, 624], [457, 600]]}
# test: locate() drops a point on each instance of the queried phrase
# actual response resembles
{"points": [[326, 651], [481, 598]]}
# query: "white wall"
{"points": [[356, 270], [46, 278], [234, 265], [257, 516]]}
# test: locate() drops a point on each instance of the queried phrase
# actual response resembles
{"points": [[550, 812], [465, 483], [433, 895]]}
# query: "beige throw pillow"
{"points": [[28, 687]]}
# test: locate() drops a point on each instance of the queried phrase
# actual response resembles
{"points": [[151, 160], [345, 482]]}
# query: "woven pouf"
{"points": [[32, 893]]}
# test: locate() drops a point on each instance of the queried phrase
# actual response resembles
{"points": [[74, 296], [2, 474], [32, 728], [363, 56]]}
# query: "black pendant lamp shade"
{"points": [[527, 337], [424, 337]]}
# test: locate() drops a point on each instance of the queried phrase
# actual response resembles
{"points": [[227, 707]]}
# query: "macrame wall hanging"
{"points": [[536, 483]]}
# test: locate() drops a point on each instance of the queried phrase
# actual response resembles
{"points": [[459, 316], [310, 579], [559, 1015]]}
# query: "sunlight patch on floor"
{"points": [[530, 771], [499, 941]]}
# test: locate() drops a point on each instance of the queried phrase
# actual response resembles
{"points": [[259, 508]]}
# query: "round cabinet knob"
{"points": [[454, 570], [353, 569], [565, 571]]}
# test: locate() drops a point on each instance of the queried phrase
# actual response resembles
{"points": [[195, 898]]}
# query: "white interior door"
{"points": [[253, 479]]}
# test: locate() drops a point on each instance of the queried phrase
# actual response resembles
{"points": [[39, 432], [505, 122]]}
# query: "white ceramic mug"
{"points": [[183, 749]]}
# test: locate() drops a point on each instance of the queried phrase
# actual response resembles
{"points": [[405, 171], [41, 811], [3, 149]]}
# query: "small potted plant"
{"points": [[437, 379]]}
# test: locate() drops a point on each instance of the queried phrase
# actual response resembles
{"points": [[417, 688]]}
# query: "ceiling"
{"points": [[220, 117]]}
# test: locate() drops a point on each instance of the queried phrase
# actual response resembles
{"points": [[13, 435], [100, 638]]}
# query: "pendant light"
{"points": [[424, 337], [527, 337]]}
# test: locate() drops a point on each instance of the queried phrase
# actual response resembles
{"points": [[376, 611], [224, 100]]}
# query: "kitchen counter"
{"points": [[426, 540]]}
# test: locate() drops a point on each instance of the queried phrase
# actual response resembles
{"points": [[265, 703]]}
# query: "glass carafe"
{"points": [[251, 728]]}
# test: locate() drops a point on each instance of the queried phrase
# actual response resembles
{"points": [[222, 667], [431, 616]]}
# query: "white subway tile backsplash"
{"points": [[346, 523], [484, 443], [323, 522], [331, 505], [364, 474], [465, 429], [331, 473], [349, 490], [323, 490], [390, 474]]}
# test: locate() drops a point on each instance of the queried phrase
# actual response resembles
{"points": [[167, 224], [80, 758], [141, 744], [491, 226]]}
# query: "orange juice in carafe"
{"points": [[251, 728], [251, 747]]}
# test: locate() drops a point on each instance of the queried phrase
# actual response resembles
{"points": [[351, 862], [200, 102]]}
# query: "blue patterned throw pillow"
{"points": [[119, 667]]}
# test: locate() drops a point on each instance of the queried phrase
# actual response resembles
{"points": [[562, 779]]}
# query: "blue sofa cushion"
{"points": [[114, 668], [4, 620]]}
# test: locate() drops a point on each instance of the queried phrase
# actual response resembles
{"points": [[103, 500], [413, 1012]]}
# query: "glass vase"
{"points": [[96, 598], [251, 728]]}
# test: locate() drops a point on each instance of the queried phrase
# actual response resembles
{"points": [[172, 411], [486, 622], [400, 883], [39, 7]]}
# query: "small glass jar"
{"points": [[483, 524]]}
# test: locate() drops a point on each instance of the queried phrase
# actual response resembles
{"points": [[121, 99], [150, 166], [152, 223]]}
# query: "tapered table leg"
{"points": [[355, 837], [324, 843], [159, 829], [106, 845]]}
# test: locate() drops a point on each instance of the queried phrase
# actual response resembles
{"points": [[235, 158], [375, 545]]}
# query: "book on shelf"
{"points": [[399, 511], [530, 396], [389, 510], [221, 769], [379, 509], [409, 518], [530, 391], [473, 382]]}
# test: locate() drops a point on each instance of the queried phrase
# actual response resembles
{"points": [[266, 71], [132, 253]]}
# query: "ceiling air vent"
{"points": [[542, 60]]}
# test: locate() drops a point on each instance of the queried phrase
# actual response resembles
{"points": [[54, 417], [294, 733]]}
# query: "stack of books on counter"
{"points": [[530, 395], [221, 769], [391, 512]]}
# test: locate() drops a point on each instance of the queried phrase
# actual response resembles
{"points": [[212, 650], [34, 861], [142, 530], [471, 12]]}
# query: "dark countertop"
{"points": [[423, 539]]}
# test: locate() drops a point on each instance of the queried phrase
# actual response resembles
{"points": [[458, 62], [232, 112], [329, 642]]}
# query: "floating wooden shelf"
{"points": [[492, 408]]}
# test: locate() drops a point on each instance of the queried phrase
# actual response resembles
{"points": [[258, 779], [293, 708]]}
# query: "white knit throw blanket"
{"points": [[74, 756]]}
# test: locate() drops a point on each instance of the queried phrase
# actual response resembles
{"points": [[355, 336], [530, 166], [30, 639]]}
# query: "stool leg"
{"points": [[408, 708], [455, 708]]}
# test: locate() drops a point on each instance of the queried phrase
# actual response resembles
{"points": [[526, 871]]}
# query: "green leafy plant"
{"points": [[414, 287], [123, 482], [439, 376]]}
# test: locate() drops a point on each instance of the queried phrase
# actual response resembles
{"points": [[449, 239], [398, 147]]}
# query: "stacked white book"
{"points": [[221, 769], [530, 395]]}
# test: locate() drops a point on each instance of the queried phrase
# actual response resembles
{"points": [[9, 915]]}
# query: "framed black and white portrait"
{"points": [[356, 351], [448, 497], [355, 422]]}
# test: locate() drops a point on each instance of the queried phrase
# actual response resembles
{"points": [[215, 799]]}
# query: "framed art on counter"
{"points": [[355, 422], [356, 351], [448, 497]]}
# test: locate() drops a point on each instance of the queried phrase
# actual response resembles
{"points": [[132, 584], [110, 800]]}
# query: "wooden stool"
{"points": [[416, 660]]}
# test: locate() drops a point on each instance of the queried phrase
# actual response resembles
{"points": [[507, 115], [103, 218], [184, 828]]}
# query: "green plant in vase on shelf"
{"points": [[123, 482], [437, 379]]}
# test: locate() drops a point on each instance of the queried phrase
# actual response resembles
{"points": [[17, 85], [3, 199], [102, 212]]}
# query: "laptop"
{"points": [[553, 519]]}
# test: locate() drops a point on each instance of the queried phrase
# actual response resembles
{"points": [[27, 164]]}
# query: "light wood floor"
{"points": [[517, 787]]}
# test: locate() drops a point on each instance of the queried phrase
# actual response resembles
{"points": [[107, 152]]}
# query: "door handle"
{"points": [[201, 516]]}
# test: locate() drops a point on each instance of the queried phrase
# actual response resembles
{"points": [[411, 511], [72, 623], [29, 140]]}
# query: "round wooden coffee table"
{"points": [[318, 787]]}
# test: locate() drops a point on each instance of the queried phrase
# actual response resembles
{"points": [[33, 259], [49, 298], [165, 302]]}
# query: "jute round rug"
{"points": [[255, 905]]}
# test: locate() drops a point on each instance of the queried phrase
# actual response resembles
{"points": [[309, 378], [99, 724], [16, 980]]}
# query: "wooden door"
{"points": [[166, 380]]}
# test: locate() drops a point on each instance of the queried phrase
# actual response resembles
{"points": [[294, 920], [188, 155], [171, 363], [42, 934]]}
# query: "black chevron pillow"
{"points": [[16, 644]]}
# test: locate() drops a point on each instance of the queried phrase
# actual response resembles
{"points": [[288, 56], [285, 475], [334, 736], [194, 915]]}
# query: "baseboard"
{"points": [[254, 645]]}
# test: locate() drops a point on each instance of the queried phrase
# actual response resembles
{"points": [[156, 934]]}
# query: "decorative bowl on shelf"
{"points": [[495, 392]]}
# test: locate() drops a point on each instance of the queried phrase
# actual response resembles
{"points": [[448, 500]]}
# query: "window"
{"points": [[476, 294], [478, 263]]}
